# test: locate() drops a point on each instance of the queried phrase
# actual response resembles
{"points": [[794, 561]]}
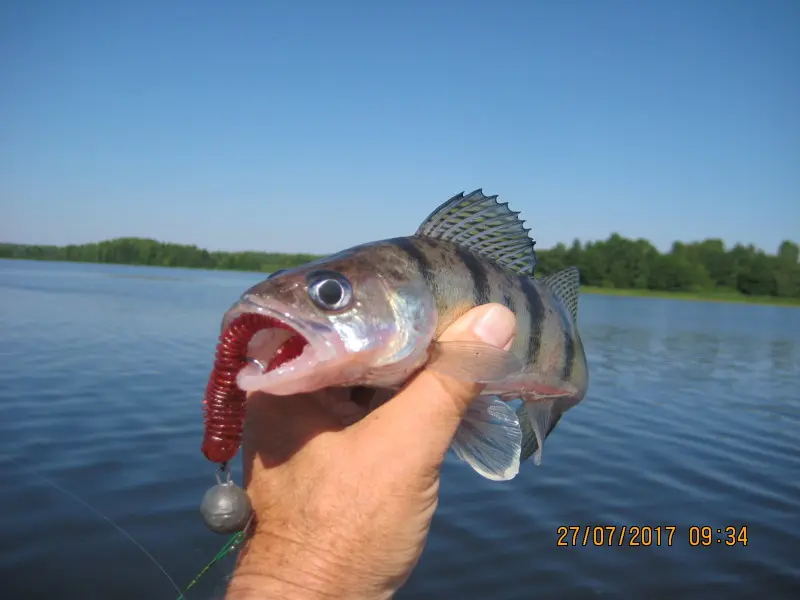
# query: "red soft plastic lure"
{"points": [[224, 403]]}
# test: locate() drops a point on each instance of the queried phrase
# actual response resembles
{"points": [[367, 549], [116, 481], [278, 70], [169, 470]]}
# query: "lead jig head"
{"points": [[226, 507]]}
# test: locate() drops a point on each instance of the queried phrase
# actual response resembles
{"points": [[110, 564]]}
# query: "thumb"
{"points": [[429, 409]]}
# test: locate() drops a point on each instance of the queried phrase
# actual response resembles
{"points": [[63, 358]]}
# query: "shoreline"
{"points": [[709, 296], [706, 296]]}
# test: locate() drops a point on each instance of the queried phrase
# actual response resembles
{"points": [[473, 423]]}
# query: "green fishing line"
{"points": [[226, 549]]}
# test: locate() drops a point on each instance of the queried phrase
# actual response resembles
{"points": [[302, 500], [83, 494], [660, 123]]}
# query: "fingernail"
{"points": [[496, 326]]}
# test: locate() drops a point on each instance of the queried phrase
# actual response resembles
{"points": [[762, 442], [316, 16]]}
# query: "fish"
{"points": [[371, 316]]}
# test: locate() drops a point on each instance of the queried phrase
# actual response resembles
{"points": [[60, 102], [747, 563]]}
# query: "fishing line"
{"points": [[229, 546]]}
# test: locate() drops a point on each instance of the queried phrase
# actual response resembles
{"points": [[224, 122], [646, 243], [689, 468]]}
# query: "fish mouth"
{"points": [[285, 355]]}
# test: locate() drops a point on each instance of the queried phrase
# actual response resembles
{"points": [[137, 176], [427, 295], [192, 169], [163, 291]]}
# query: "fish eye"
{"points": [[330, 290]]}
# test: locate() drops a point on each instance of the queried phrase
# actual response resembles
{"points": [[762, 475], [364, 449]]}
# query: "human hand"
{"points": [[344, 512]]}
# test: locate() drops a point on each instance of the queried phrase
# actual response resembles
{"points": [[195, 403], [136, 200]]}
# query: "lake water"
{"points": [[691, 419]]}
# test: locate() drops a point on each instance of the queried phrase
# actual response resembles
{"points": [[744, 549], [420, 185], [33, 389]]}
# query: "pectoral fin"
{"points": [[473, 361], [489, 439]]}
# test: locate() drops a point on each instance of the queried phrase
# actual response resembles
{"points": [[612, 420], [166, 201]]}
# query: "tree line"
{"points": [[705, 266], [144, 251], [617, 262]]}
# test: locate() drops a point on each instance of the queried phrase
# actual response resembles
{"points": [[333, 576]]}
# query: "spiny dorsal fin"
{"points": [[485, 226], [565, 285]]}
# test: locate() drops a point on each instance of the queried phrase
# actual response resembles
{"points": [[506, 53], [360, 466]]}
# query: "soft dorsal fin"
{"points": [[485, 226], [565, 285]]}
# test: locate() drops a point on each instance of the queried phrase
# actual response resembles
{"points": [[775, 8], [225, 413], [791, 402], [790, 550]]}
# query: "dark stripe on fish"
{"points": [[509, 303], [536, 315], [569, 355], [417, 257], [481, 291]]}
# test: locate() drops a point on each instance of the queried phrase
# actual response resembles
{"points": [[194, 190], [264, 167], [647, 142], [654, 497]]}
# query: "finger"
{"points": [[430, 407]]}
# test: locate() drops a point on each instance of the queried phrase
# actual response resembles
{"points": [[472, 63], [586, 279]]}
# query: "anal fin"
{"points": [[489, 439], [536, 422]]}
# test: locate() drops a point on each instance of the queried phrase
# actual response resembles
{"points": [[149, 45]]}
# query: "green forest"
{"points": [[616, 265]]}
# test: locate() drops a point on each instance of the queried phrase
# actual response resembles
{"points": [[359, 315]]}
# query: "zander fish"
{"points": [[371, 316]]}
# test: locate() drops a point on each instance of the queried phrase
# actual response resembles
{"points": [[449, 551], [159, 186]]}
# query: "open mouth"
{"points": [[275, 346], [275, 351], [282, 350]]}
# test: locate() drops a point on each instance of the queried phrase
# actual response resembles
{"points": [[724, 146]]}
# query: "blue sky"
{"points": [[312, 126]]}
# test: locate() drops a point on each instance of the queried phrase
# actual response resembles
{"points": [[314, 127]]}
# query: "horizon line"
{"points": [[725, 244]]}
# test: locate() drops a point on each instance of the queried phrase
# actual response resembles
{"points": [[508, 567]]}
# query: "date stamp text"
{"points": [[645, 535]]}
